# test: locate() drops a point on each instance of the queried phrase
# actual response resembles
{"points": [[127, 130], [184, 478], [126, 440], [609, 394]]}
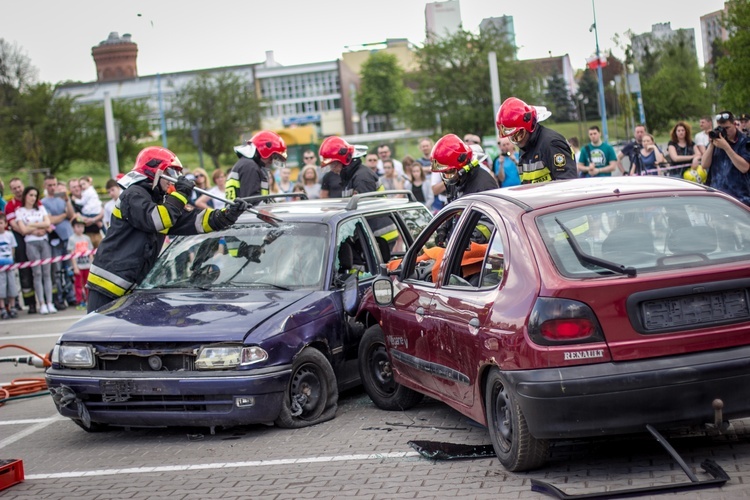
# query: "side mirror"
{"points": [[382, 291], [351, 295]]}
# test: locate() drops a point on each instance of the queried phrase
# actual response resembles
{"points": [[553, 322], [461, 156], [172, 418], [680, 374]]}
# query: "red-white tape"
{"points": [[41, 262]]}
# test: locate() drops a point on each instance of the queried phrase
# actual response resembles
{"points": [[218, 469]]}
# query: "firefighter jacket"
{"points": [[547, 156], [246, 178], [472, 179], [359, 179], [141, 220]]}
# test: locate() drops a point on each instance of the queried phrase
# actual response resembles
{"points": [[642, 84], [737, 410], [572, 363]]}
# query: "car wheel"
{"points": [[312, 394], [514, 445], [377, 376]]}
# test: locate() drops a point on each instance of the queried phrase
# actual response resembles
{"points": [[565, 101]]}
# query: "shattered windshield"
{"points": [[258, 256], [647, 235]]}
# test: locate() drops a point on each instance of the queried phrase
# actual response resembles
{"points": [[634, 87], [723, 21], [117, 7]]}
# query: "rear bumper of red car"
{"points": [[619, 398]]}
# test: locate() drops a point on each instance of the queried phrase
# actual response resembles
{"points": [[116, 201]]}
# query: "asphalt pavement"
{"points": [[363, 453]]}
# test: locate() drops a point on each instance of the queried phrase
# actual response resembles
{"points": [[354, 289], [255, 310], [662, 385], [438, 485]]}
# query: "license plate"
{"points": [[127, 387], [697, 309]]}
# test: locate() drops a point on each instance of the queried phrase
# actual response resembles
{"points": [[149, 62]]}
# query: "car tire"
{"points": [[312, 394], [377, 377], [514, 445]]}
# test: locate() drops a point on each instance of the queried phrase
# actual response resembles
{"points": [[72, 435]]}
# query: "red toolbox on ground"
{"points": [[11, 472]]}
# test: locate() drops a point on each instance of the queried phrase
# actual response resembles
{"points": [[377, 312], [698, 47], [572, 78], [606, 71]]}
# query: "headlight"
{"points": [[76, 356], [221, 357]]}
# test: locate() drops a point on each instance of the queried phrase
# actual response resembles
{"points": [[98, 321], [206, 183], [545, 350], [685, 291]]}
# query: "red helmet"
{"points": [[155, 158], [336, 149], [449, 155], [515, 115], [268, 143]]}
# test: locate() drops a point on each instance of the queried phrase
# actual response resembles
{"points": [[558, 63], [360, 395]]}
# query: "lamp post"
{"points": [[161, 101], [602, 103]]}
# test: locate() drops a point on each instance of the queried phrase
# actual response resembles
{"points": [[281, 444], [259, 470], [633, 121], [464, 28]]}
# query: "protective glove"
{"points": [[222, 219], [184, 186], [234, 211]]}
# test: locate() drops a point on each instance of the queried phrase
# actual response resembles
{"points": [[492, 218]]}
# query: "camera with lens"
{"points": [[715, 133]]}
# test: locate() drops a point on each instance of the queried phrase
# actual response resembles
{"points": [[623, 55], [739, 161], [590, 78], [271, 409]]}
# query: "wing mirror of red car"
{"points": [[382, 291]]}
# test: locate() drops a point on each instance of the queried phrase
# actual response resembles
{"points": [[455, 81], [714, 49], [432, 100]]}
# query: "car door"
{"points": [[473, 270], [406, 324]]}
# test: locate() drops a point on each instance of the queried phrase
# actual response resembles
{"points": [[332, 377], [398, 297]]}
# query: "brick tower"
{"points": [[115, 58]]}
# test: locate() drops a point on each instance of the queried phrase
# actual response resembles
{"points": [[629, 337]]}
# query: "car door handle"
{"points": [[419, 311], [474, 322]]}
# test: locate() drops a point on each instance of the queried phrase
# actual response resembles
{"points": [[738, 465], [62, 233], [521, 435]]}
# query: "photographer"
{"points": [[727, 159], [506, 165]]}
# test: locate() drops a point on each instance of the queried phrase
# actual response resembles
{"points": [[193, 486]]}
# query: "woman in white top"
{"points": [[309, 180], [34, 224], [204, 201]]}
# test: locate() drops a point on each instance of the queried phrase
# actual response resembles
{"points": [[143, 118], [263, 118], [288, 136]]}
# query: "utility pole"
{"points": [[602, 102]]}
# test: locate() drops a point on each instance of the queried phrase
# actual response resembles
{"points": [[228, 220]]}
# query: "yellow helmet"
{"points": [[697, 175]]}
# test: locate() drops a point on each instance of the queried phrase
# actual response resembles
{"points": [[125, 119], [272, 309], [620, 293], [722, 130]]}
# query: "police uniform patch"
{"points": [[559, 160]]}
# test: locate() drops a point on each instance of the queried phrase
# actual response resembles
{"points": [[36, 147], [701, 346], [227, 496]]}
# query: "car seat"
{"points": [[385, 248], [346, 260], [692, 239], [629, 239]]}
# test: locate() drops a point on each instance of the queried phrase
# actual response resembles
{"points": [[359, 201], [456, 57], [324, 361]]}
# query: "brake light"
{"points": [[567, 329], [555, 321]]}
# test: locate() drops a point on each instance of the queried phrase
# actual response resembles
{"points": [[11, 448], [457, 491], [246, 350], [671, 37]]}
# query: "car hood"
{"points": [[210, 316]]}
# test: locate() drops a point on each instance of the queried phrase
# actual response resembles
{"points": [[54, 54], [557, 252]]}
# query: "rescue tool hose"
{"points": [[22, 388]]}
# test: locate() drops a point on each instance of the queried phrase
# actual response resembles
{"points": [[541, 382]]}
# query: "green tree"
{"points": [[452, 83], [672, 84], [558, 99], [734, 69], [131, 125], [381, 89], [40, 130], [588, 94], [221, 106]]}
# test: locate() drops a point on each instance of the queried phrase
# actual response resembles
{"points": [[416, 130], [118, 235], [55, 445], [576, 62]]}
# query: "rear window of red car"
{"points": [[648, 234]]}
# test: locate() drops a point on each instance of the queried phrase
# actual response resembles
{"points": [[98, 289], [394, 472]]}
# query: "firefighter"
{"points": [[546, 155], [249, 176], [459, 166], [355, 177], [147, 210]]}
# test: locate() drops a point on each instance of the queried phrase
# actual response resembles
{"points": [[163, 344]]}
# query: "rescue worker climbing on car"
{"points": [[355, 176], [266, 150], [147, 210], [546, 155]]}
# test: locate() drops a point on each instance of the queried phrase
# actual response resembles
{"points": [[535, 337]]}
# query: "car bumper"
{"points": [[166, 399], [619, 398]]}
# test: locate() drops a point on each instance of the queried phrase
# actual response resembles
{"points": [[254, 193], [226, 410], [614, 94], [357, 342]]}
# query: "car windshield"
{"points": [[259, 256], [648, 235]]}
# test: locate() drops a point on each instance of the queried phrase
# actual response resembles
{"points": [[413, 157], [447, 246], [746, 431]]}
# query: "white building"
{"points": [[660, 32], [712, 30], [442, 19]]}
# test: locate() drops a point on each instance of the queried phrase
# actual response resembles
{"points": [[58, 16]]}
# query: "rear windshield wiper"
{"points": [[583, 257]]}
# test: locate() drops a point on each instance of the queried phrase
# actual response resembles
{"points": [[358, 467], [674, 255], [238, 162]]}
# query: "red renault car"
{"points": [[569, 309]]}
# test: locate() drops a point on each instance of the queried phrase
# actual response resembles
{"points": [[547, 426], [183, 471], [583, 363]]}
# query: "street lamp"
{"points": [[602, 105], [161, 101]]}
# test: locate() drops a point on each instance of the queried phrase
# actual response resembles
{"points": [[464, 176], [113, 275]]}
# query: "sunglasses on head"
{"points": [[723, 117]]}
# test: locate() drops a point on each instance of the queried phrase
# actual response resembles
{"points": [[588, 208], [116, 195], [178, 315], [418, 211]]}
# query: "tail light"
{"points": [[563, 321]]}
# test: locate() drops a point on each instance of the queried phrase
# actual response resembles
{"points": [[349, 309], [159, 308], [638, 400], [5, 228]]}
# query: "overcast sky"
{"points": [[188, 34]]}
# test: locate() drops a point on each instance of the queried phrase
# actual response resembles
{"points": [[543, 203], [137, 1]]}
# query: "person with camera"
{"points": [[727, 158], [506, 165]]}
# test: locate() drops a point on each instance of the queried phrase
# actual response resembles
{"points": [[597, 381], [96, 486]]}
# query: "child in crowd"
{"points": [[7, 278], [79, 243], [113, 190], [90, 204]]}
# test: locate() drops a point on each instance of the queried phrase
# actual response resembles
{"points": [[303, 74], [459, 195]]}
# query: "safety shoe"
{"points": [[43, 309], [32, 309]]}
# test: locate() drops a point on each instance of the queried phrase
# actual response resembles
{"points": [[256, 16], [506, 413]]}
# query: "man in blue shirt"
{"points": [[506, 165], [727, 159]]}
